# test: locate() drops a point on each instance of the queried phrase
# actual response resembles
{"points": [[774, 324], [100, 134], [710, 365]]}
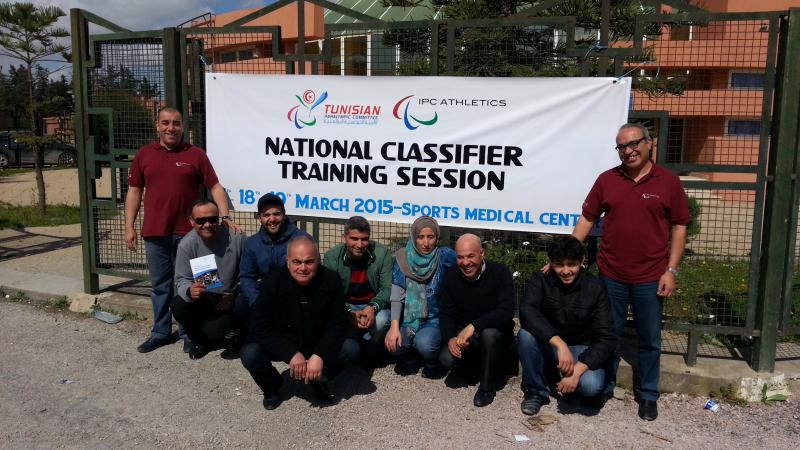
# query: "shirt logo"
{"points": [[178, 164], [650, 196]]}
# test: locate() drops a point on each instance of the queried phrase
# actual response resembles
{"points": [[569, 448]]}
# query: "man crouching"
{"points": [[566, 325], [299, 318]]}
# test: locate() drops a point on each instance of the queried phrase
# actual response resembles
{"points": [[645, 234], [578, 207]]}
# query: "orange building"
{"points": [[722, 65]]}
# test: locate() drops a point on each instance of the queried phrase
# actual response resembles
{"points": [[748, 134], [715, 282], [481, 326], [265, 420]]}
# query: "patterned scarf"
{"points": [[418, 269]]}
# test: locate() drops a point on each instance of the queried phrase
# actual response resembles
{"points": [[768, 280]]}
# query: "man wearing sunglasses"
{"points": [[207, 314], [645, 214], [167, 174]]}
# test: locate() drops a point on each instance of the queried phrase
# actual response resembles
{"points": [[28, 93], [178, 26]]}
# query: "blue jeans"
{"points": [[160, 252], [426, 342], [373, 336], [539, 358], [647, 308]]}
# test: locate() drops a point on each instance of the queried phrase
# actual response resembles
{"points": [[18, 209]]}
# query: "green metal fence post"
{"points": [[173, 81], [80, 40], [780, 186]]}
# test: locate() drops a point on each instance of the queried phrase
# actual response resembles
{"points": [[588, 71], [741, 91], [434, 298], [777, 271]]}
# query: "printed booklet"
{"points": [[204, 271]]}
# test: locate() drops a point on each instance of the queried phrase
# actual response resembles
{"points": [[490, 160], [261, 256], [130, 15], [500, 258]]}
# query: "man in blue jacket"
{"points": [[265, 251]]}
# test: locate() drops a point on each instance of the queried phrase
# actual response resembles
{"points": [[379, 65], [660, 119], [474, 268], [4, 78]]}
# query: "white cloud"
{"points": [[137, 15]]}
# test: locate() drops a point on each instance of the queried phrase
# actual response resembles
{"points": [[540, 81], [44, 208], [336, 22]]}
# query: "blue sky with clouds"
{"points": [[139, 15]]}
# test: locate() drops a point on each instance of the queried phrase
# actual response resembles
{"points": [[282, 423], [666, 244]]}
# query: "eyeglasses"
{"points": [[213, 220], [631, 144]]}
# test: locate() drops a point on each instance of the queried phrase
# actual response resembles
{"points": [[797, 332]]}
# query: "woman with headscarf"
{"points": [[416, 279]]}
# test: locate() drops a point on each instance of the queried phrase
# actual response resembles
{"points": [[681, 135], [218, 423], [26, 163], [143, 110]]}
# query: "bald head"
{"points": [[302, 259], [469, 255]]}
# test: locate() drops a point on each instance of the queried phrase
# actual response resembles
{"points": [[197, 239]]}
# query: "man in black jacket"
{"points": [[476, 315], [299, 318], [566, 325]]}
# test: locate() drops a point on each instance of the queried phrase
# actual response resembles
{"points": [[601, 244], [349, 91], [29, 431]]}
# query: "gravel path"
{"points": [[118, 398]]}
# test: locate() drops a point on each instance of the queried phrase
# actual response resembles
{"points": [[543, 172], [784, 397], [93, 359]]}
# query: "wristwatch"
{"points": [[673, 271]]}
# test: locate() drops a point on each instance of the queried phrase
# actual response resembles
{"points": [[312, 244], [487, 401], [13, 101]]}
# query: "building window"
{"points": [[738, 127], [747, 80], [238, 55]]}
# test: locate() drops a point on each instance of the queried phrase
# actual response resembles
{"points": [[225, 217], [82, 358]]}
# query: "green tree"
{"points": [[29, 34]]}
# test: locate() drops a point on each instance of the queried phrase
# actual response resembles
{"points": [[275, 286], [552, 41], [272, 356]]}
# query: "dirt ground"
{"points": [[61, 187], [69, 381]]}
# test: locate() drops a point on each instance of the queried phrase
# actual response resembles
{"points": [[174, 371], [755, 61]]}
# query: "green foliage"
{"points": [[59, 303], [771, 399], [727, 394], [522, 260], [134, 101], [694, 226], [711, 292], [27, 216], [28, 33]]}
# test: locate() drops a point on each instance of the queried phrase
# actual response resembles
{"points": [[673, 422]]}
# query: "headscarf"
{"points": [[418, 269]]}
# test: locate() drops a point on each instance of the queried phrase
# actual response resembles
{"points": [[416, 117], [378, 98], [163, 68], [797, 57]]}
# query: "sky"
{"points": [[139, 15]]}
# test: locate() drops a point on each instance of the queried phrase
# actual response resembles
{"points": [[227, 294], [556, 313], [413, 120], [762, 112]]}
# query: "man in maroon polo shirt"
{"points": [[169, 172], [645, 213]]}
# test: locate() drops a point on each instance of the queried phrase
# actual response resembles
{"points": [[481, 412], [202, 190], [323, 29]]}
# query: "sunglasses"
{"points": [[631, 144], [213, 220]]}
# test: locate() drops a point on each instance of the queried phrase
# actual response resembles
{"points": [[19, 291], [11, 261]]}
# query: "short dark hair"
{"points": [[357, 223], [201, 202], [565, 248]]}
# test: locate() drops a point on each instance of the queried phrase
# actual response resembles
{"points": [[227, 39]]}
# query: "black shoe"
{"points": [[405, 369], [322, 393], [230, 353], [153, 343], [532, 403], [187, 346], [197, 351], [598, 401], [483, 398], [648, 410], [272, 401], [433, 372]]}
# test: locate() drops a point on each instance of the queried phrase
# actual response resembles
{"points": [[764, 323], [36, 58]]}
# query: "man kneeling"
{"points": [[208, 313], [566, 325], [299, 318], [476, 317]]}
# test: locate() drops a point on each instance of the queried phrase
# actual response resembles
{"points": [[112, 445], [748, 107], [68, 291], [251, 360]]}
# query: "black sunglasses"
{"points": [[633, 144], [213, 220]]}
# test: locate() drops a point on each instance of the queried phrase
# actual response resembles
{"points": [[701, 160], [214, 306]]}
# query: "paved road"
{"points": [[117, 398]]}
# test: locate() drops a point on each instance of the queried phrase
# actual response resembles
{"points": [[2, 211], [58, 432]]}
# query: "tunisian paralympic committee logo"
{"points": [[307, 104], [408, 118]]}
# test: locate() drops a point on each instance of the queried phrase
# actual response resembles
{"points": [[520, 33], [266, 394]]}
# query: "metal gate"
{"points": [[716, 89]]}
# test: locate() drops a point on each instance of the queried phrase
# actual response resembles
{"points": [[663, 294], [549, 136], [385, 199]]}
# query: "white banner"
{"points": [[499, 153]]}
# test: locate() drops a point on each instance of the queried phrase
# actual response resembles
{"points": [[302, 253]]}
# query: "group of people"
{"points": [[425, 306]]}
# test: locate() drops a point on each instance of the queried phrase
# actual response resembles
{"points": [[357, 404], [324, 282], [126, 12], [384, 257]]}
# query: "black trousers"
{"points": [[200, 319], [258, 361], [485, 353]]}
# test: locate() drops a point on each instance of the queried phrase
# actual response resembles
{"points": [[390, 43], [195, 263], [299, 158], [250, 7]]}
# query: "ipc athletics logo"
{"points": [[408, 118], [308, 104]]}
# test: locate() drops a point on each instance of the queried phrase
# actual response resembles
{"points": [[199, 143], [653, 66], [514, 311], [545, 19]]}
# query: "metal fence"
{"points": [[703, 83]]}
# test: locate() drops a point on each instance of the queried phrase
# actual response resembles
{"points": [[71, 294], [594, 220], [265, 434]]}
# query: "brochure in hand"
{"points": [[204, 271]]}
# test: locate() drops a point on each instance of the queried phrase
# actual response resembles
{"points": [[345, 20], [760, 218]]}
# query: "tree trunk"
{"points": [[38, 151]]}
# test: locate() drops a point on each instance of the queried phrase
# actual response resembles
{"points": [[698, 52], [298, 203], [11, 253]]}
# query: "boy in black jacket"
{"points": [[566, 325]]}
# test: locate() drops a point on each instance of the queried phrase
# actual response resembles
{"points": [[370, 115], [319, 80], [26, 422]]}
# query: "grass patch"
{"points": [[26, 216], [727, 394], [59, 303], [6, 172]]}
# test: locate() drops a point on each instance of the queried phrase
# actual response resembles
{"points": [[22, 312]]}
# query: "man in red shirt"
{"points": [[169, 173], [645, 213]]}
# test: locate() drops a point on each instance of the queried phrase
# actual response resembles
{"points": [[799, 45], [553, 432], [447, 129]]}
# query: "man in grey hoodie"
{"points": [[205, 303]]}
